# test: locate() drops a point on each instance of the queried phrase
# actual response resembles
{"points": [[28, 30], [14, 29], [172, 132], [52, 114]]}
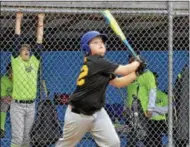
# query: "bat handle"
{"points": [[130, 48]]}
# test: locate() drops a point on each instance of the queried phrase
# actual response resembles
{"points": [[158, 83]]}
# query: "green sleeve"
{"points": [[3, 87]]}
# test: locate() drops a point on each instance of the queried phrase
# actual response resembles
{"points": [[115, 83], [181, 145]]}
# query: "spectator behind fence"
{"points": [[6, 92], [181, 101], [154, 106], [25, 72]]}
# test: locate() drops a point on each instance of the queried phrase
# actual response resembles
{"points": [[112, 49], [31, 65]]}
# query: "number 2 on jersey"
{"points": [[82, 75]]}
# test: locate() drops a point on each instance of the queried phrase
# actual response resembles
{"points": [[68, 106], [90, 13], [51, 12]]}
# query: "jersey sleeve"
{"points": [[105, 66]]}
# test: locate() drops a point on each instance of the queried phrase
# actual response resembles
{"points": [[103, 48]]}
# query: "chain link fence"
{"points": [[61, 58]]}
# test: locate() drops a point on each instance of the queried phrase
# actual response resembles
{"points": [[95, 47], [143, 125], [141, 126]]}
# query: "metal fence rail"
{"points": [[160, 35]]}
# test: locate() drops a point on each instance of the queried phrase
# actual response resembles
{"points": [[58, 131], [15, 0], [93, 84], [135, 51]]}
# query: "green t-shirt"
{"points": [[6, 86], [146, 82], [24, 78]]}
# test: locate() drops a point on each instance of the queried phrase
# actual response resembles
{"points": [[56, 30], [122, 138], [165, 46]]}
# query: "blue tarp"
{"points": [[60, 69]]}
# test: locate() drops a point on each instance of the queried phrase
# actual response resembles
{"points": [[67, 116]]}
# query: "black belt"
{"points": [[25, 101], [75, 111]]}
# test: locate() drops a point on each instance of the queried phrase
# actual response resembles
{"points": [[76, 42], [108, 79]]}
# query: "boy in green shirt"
{"points": [[6, 92], [25, 72]]}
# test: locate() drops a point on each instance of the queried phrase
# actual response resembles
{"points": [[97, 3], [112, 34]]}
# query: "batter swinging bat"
{"points": [[115, 27]]}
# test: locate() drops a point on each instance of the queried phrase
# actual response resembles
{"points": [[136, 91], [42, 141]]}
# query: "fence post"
{"points": [[189, 61], [170, 72]]}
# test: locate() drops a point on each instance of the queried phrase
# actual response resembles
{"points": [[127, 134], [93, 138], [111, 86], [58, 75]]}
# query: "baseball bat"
{"points": [[116, 28]]}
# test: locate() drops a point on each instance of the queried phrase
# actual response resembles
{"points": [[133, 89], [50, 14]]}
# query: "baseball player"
{"points": [[25, 72], [85, 112]]}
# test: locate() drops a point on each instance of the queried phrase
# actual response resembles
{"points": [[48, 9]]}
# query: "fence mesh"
{"points": [[61, 60]]}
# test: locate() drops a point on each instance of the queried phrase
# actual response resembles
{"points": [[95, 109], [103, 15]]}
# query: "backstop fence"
{"points": [[160, 36]]}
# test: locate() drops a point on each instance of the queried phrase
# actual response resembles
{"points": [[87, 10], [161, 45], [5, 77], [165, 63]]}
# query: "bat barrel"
{"points": [[115, 27], [130, 48]]}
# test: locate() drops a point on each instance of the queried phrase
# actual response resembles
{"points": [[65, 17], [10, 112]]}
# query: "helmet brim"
{"points": [[103, 36]]}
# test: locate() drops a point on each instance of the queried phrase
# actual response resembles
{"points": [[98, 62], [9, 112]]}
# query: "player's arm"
{"points": [[40, 28], [106, 66], [18, 38], [40, 32], [127, 69], [19, 16], [120, 82]]}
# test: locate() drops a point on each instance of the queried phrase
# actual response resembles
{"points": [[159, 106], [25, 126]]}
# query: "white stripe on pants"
{"points": [[22, 118], [99, 125]]}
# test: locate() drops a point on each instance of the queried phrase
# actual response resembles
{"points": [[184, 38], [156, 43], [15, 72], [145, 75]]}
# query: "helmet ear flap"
{"points": [[86, 49], [86, 39]]}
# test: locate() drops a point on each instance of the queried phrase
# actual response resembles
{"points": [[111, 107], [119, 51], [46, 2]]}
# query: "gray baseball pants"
{"points": [[22, 118], [99, 125]]}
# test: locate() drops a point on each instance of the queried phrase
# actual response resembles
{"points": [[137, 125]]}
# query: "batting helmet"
{"points": [[87, 37]]}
